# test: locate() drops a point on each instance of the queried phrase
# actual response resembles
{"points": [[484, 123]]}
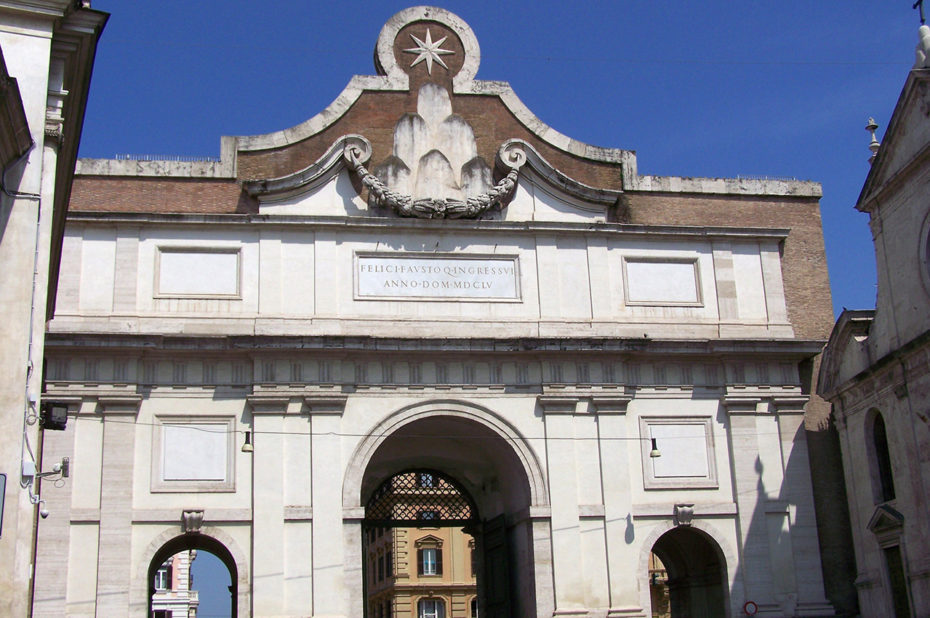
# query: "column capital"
{"points": [[268, 403], [325, 403], [119, 404]]}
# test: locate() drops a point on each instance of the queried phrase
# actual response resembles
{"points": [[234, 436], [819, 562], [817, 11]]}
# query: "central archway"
{"points": [[493, 466]]}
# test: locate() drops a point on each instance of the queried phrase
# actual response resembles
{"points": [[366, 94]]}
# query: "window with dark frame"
{"points": [[429, 561]]}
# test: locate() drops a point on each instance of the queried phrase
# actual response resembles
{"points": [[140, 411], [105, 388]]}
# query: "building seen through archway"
{"points": [[174, 595], [422, 558]]}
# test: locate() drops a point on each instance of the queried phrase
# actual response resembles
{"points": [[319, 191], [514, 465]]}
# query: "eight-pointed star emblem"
{"points": [[429, 51]]}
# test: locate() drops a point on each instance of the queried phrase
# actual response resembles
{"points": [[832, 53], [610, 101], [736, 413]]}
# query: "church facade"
{"points": [[875, 370], [607, 367]]}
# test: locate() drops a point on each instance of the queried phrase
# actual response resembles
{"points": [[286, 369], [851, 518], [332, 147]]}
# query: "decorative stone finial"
{"points": [[874, 144]]}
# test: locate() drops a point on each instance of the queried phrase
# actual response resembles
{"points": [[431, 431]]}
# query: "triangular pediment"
{"points": [[428, 541], [885, 519]]}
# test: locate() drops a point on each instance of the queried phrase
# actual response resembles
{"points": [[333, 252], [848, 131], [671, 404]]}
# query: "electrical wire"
{"points": [[339, 434]]}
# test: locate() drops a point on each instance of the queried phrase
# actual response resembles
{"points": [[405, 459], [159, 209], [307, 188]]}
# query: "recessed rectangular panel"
{"points": [[436, 277], [685, 458], [195, 452], [198, 273], [651, 281], [684, 450]]}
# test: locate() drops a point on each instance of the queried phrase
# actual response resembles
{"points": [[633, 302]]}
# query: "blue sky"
{"points": [[713, 88]]}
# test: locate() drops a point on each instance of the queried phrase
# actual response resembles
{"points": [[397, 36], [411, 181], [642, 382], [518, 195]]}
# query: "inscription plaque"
{"points": [[437, 277]]}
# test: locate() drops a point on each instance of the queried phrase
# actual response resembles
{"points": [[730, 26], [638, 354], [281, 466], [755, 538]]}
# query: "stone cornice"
{"points": [[585, 402], [511, 227], [277, 345], [758, 401]]}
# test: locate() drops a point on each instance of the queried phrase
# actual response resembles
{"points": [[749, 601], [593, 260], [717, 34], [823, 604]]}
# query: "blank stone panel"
{"points": [[197, 273], [687, 455], [195, 452], [750, 289], [662, 282], [684, 451]]}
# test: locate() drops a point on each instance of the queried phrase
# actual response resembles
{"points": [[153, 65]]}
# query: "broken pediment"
{"points": [[434, 137]]}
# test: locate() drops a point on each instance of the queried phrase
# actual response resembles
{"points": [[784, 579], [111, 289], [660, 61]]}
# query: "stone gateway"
{"points": [[422, 355]]}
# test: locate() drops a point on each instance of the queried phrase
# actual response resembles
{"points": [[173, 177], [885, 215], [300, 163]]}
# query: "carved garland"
{"points": [[511, 155]]}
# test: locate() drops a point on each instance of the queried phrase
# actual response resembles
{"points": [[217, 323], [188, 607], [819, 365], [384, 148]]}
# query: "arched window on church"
{"points": [[882, 474]]}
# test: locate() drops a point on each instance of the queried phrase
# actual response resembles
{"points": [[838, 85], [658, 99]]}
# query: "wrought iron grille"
{"points": [[420, 498]]}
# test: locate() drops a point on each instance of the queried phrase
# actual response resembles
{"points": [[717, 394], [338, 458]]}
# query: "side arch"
{"points": [[376, 436], [209, 538], [730, 558]]}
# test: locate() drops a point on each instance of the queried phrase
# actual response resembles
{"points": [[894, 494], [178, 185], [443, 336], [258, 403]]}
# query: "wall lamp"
{"points": [[655, 452]]}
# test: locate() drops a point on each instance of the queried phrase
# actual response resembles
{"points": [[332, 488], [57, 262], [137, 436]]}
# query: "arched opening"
{"points": [[419, 526], [689, 573], [174, 590], [882, 475], [446, 499]]}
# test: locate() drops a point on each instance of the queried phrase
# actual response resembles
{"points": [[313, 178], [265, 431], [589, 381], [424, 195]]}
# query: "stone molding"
{"points": [[591, 511], [581, 404], [590, 228], [746, 402], [335, 159], [170, 515], [295, 512], [699, 509]]}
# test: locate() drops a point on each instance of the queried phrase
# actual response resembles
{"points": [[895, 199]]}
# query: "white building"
{"points": [[46, 55], [875, 369], [426, 277]]}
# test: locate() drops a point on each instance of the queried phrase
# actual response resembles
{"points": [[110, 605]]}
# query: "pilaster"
{"points": [[330, 563], [268, 504], [114, 559]]}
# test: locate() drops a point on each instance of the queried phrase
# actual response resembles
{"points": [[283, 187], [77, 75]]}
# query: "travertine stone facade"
{"points": [[46, 54], [876, 369], [531, 352]]}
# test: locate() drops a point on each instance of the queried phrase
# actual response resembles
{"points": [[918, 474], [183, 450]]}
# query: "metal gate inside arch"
{"points": [[420, 551]]}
